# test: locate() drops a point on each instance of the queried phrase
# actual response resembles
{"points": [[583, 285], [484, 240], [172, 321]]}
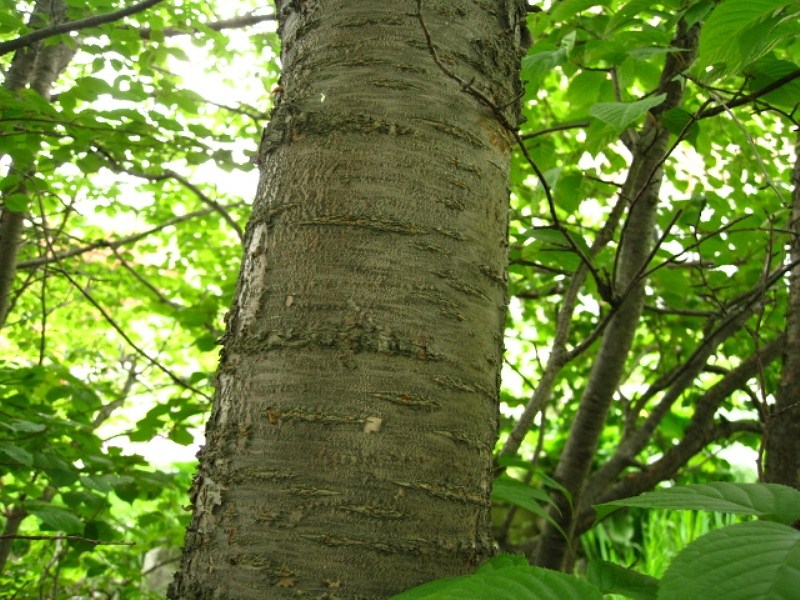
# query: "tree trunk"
{"points": [[783, 427], [38, 65], [349, 450]]}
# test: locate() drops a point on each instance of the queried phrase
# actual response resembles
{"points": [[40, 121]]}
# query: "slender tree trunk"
{"points": [[38, 65], [782, 463], [349, 450], [641, 190]]}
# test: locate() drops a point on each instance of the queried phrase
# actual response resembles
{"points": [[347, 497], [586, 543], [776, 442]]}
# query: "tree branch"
{"points": [[117, 167], [232, 23], [711, 112], [93, 21], [57, 257], [75, 538]]}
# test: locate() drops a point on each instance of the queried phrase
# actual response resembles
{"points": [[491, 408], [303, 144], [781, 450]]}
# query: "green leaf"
{"points": [[621, 114], [769, 70], [206, 343], [26, 426], [698, 11], [767, 500], [55, 517], [630, 11], [540, 62], [567, 9], [680, 122], [101, 483], [502, 561], [16, 202], [182, 436], [614, 579], [58, 392], [516, 582], [746, 561], [17, 454], [507, 489], [739, 32]]}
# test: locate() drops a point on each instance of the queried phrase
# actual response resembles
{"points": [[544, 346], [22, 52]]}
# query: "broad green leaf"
{"points": [[55, 517], [26, 426], [58, 392], [614, 579], [746, 561], [569, 8], [180, 435], [739, 32], [767, 500], [506, 583], [206, 343], [628, 12], [16, 453], [768, 70], [16, 202], [101, 483], [540, 62], [508, 489], [621, 114], [698, 12]]}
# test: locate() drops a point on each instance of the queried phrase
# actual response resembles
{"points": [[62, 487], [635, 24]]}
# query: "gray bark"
{"points": [[349, 450]]}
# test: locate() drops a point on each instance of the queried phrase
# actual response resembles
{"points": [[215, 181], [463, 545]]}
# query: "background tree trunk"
{"points": [[38, 66], [349, 451], [641, 194], [782, 438]]}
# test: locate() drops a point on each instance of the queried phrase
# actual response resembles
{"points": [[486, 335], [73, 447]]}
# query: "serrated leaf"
{"points": [[510, 583], [746, 561], [621, 114], [767, 500], [739, 32], [614, 579]]}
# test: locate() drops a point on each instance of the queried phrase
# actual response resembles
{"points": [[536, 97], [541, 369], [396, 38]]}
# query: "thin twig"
{"points": [[59, 28], [72, 538], [726, 106]]}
